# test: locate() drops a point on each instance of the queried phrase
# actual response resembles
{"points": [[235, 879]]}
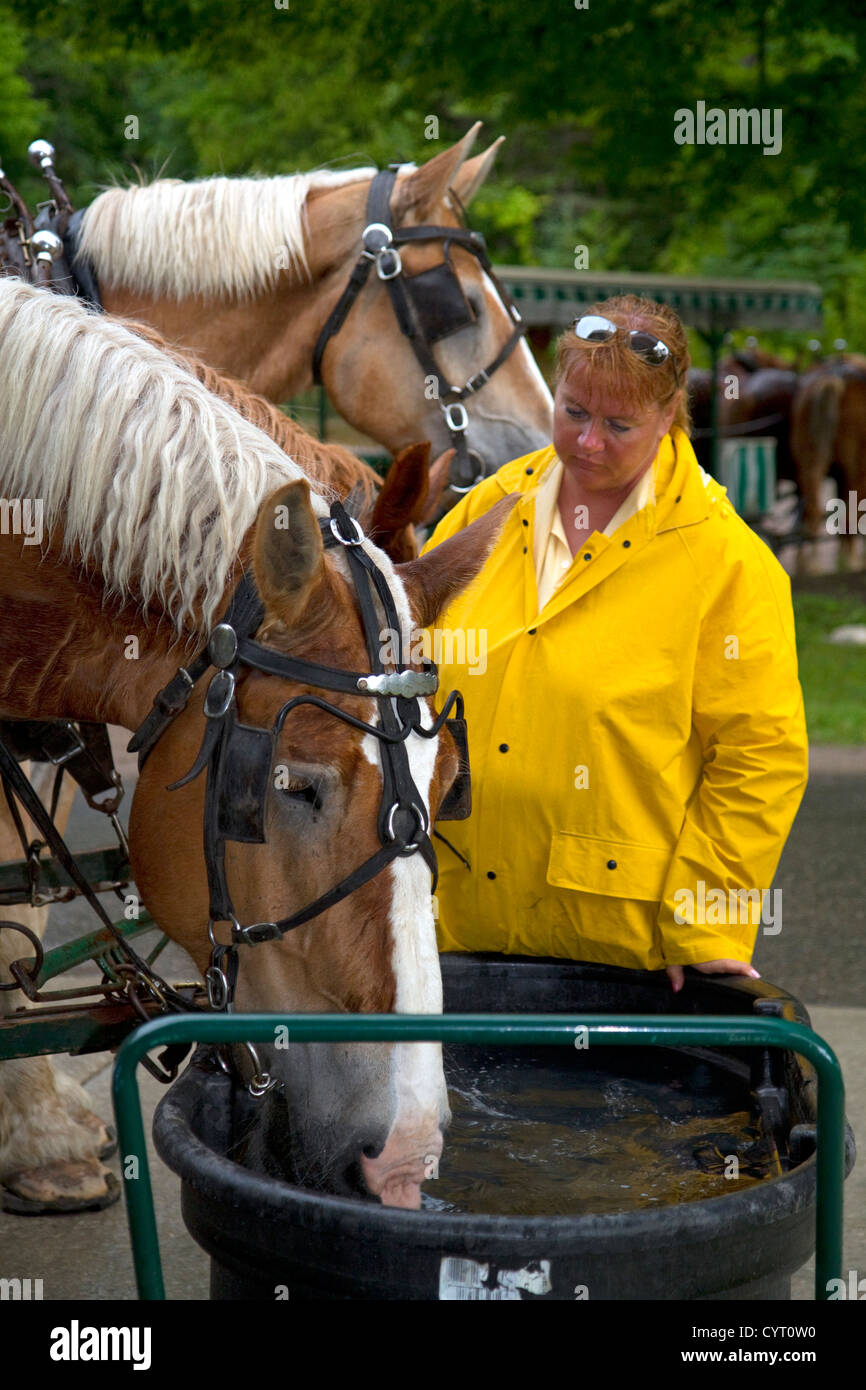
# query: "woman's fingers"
{"points": [[676, 977], [711, 967], [727, 967]]}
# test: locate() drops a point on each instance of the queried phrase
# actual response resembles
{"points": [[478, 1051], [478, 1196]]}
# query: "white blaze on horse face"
{"points": [[420, 1102], [523, 353]]}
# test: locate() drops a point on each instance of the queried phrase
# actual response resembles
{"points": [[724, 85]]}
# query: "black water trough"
{"points": [[269, 1239]]}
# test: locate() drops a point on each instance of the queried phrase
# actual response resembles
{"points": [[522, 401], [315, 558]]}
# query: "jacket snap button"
{"points": [[525, 548], [626, 545], [611, 863], [587, 556], [525, 522], [530, 470], [503, 747], [490, 873], [532, 631]]}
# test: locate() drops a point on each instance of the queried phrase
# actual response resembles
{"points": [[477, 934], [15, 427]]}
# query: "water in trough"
{"points": [[546, 1131]]}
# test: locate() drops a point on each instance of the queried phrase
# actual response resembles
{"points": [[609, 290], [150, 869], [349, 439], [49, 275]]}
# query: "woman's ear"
{"points": [[669, 412]]}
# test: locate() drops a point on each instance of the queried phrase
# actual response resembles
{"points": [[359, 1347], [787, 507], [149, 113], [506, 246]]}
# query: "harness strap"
{"points": [[378, 222], [403, 822], [271, 931], [15, 779], [80, 269], [357, 280], [244, 613]]}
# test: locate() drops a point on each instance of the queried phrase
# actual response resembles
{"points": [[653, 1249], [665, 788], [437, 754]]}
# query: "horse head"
{"points": [[462, 332], [424, 346], [369, 1117]]}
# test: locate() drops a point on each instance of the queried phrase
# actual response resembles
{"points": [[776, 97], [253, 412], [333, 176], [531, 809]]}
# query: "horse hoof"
{"points": [[104, 1136], [68, 1185]]}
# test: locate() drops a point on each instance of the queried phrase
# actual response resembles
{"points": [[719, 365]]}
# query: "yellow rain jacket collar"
{"points": [[685, 495]]}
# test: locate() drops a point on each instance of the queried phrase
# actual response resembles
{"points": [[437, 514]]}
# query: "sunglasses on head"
{"points": [[592, 328]]}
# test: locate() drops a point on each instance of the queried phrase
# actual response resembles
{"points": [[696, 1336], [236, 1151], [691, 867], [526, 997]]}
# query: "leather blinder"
{"points": [[440, 305], [457, 802], [242, 785]]}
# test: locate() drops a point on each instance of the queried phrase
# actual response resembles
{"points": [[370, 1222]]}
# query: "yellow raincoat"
{"points": [[638, 749]]}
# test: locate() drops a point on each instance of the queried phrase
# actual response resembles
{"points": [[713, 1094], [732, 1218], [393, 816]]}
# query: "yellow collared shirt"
{"points": [[551, 552]]}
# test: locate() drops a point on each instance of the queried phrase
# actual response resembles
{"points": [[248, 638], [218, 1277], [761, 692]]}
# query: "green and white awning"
{"points": [[554, 298]]}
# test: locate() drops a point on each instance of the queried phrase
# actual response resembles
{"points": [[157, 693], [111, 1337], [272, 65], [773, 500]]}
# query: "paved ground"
{"points": [[819, 955]]}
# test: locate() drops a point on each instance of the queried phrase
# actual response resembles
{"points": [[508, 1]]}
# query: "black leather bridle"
{"points": [[429, 306], [239, 758]]}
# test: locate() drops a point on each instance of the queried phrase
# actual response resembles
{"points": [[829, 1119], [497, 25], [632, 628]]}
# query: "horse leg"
{"points": [[852, 460], [814, 425], [50, 1139]]}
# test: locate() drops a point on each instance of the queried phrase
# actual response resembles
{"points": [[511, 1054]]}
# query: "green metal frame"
{"points": [[62, 1024], [553, 1029]]}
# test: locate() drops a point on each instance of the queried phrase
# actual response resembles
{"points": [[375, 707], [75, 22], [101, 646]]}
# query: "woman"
{"points": [[637, 736]]}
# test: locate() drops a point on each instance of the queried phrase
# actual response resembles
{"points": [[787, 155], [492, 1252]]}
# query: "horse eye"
{"points": [[304, 790]]}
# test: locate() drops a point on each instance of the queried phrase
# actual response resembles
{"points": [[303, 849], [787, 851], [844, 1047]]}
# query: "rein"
{"points": [[428, 307], [239, 758]]}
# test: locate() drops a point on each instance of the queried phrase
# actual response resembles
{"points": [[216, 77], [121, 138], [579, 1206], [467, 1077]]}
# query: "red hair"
{"points": [[613, 367]]}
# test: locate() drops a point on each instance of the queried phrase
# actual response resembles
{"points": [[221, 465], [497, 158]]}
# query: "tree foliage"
{"points": [[586, 98]]}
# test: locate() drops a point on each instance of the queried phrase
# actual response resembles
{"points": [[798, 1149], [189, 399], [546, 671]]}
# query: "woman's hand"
{"points": [[711, 967]]}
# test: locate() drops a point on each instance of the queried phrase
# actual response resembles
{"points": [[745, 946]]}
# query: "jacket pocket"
{"points": [[612, 868]]}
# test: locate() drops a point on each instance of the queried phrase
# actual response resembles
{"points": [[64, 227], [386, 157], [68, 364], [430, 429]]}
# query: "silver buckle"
{"points": [[359, 534], [455, 417], [421, 818], [220, 694], [476, 382], [217, 987], [388, 256], [461, 491], [257, 932]]}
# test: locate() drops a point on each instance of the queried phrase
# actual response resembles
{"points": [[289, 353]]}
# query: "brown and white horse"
{"points": [[57, 1125], [246, 273], [155, 497]]}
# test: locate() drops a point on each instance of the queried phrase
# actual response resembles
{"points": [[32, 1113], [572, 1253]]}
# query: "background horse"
{"points": [[829, 430], [246, 273], [156, 496], [765, 387]]}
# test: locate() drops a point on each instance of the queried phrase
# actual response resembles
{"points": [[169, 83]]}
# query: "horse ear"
{"points": [[436, 578], [439, 472], [288, 554], [403, 493], [425, 187], [473, 172]]}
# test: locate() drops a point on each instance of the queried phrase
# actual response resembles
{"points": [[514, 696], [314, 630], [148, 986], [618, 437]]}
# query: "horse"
{"points": [[159, 503], [251, 274], [828, 431], [765, 389], [388, 513]]}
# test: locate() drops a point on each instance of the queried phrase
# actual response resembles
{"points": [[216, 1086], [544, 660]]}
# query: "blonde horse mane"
{"points": [[149, 478], [213, 237], [330, 465]]}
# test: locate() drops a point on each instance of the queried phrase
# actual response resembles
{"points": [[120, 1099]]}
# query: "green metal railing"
{"points": [[625, 1030]]}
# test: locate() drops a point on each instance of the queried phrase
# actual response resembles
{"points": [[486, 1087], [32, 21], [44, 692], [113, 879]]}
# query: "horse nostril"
{"points": [[371, 1150]]}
